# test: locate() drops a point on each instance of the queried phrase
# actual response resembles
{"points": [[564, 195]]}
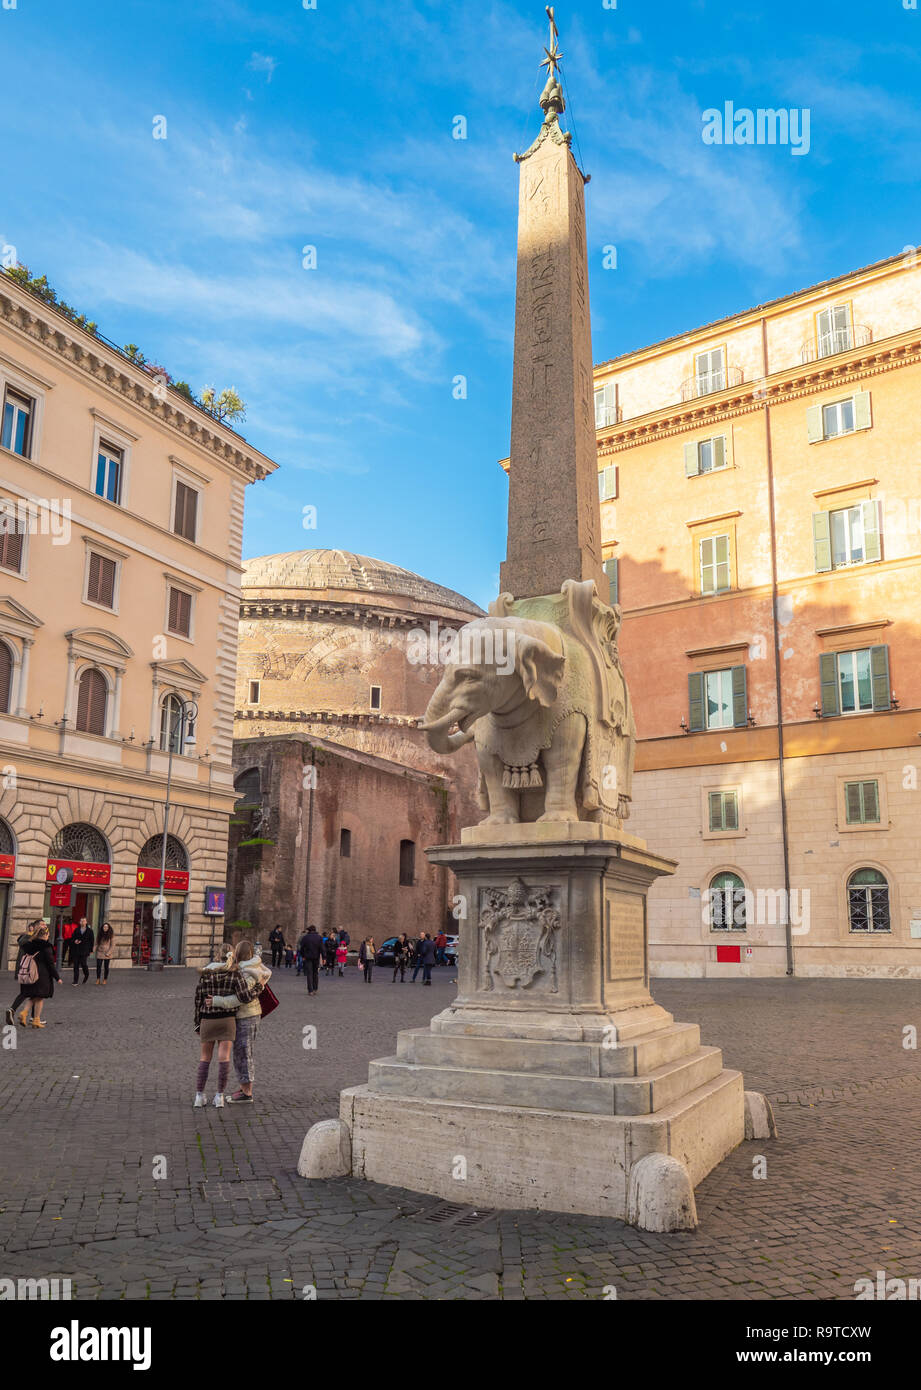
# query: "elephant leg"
{"points": [[562, 761], [503, 801]]}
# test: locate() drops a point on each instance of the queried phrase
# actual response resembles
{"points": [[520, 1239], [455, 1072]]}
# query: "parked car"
{"points": [[385, 951], [451, 949]]}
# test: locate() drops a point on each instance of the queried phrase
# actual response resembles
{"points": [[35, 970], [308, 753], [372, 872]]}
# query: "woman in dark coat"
{"points": [[39, 990]]}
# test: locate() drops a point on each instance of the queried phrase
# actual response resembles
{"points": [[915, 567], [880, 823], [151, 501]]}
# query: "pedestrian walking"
{"points": [[426, 958], [342, 956], [105, 952], [289, 957], [67, 936], [441, 944], [36, 977], [417, 955], [277, 943], [24, 938], [401, 950], [81, 948], [311, 947], [216, 1025], [366, 954], [248, 1016], [330, 945]]}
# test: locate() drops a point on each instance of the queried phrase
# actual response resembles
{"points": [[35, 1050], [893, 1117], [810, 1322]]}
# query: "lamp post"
{"points": [[177, 720]]}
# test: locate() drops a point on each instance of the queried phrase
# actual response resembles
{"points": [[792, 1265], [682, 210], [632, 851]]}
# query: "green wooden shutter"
{"points": [[610, 568], [872, 543], [691, 460], [828, 681], [853, 802], [879, 674], [696, 688], [607, 482], [814, 428], [821, 541], [870, 802], [730, 811], [716, 810], [862, 417], [739, 697]]}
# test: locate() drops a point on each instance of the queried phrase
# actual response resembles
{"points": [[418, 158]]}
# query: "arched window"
{"points": [[7, 843], [151, 855], [868, 901], [6, 677], [80, 841], [247, 787], [407, 863], [727, 903], [92, 697], [172, 725]]}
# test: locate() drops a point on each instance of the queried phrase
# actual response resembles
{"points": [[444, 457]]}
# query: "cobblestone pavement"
{"points": [[93, 1103]]}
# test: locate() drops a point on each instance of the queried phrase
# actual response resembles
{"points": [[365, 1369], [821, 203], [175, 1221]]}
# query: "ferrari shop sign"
{"points": [[177, 880], [7, 866], [99, 875]]}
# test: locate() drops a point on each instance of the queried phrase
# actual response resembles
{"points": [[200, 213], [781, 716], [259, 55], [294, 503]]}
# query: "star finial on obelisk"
{"points": [[554, 56]]}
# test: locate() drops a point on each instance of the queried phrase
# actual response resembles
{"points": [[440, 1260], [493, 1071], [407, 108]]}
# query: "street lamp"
{"points": [[181, 714]]}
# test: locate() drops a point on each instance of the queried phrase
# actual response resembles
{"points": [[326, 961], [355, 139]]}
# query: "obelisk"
{"points": [[554, 525]]}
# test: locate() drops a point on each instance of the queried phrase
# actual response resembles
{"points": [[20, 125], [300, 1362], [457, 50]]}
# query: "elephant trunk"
{"points": [[436, 729]]}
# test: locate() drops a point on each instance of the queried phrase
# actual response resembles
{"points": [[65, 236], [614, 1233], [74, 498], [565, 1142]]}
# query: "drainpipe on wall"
{"points": [[310, 789], [778, 690]]}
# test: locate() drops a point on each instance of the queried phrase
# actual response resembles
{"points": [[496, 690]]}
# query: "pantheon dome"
{"points": [[340, 572]]}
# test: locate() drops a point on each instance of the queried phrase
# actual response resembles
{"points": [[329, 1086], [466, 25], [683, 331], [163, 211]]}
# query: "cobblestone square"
{"points": [[101, 1101]]}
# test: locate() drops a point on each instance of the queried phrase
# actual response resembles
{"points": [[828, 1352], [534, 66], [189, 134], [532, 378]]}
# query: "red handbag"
{"points": [[268, 1000]]}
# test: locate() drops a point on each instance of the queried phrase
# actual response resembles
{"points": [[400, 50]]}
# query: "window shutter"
{"points": [[731, 809], [6, 677], [610, 481], [862, 417], [719, 451], [814, 430], [610, 568], [870, 801], [879, 674], [696, 700], [691, 460], [707, 562], [186, 511], [91, 702], [739, 697], [101, 584], [821, 540], [828, 682], [11, 545], [716, 810], [180, 612], [872, 545]]}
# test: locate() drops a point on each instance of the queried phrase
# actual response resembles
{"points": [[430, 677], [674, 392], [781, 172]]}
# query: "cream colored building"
{"points": [[120, 564], [761, 520]]}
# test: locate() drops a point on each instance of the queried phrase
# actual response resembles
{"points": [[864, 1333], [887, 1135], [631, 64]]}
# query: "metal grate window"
{"points": [[80, 841], [150, 855]]}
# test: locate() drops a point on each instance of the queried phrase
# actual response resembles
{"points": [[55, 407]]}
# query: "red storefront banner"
{"points": [[99, 875], [177, 880], [7, 866]]}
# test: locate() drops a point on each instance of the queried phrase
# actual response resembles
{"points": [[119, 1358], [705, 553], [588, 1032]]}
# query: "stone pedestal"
{"points": [[553, 1072]]}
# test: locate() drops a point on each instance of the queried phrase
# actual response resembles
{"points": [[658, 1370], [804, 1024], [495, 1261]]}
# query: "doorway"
{"points": [[144, 924]]}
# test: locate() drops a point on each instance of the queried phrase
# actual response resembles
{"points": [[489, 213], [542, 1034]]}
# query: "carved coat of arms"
{"points": [[519, 929]]}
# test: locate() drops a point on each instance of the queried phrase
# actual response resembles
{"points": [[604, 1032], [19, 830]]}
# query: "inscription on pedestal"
{"points": [[625, 932]]}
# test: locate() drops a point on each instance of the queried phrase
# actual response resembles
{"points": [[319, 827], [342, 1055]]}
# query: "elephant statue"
{"points": [[537, 686]]}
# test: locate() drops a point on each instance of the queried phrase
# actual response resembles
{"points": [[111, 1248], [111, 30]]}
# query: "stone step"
{"points": [[643, 1055], [595, 1095]]}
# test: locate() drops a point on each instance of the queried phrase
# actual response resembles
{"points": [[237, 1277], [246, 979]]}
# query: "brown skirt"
{"points": [[218, 1029]]}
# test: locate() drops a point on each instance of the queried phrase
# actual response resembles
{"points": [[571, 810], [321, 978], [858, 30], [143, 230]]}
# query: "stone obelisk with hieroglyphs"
{"points": [[553, 511]]}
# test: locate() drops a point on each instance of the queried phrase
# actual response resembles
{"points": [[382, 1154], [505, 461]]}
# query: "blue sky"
{"points": [[332, 127]]}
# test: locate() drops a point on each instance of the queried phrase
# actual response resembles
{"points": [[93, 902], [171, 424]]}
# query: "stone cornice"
{"points": [[326, 716], [51, 331], [322, 610], [778, 389]]}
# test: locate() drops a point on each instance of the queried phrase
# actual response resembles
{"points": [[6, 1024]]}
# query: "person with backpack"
{"points": [[81, 946], [216, 1025], [249, 1016], [36, 977], [105, 950], [23, 939]]}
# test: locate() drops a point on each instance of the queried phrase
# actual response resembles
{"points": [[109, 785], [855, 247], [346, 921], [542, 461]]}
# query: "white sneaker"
{"points": [[219, 1100], [200, 1099]]}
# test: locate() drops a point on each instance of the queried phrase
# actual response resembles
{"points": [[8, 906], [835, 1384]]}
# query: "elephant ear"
{"points": [[540, 669]]}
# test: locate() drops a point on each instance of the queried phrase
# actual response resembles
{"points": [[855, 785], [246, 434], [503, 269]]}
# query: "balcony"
{"points": [[842, 340], [705, 383]]}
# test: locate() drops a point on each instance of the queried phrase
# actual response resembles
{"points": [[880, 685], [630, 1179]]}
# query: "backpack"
{"points": [[27, 974]]}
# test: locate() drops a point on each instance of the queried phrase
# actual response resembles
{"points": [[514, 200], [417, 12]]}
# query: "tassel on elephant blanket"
{"points": [[520, 778]]}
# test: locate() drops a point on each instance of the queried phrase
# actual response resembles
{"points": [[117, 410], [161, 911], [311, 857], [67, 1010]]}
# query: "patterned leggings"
{"points": [[243, 1063]]}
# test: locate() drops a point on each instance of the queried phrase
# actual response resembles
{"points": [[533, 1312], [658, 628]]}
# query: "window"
{"points": [[610, 568], [375, 697], [833, 330], [345, 844], [839, 417], [715, 577], [6, 677], [185, 513], [718, 699], [727, 903], [108, 482], [723, 810], [854, 682], [16, 428], [254, 692], [92, 698], [179, 620], [100, 582], [868, 901], [706, 456], [10, 539], [407, 863], [606, 407], [172, 727], [848, 536], [607, 483], [861, 803], [709, 370]]}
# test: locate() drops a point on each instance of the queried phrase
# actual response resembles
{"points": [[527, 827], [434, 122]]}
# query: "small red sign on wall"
{"points": [[730, 954], [60, 895], [7, 866]]}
